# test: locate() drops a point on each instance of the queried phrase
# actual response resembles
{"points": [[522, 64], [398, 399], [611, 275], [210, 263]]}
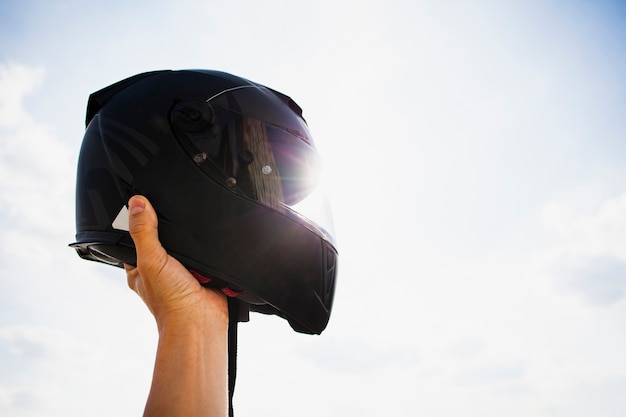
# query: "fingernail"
{"points": [[136, 206]]}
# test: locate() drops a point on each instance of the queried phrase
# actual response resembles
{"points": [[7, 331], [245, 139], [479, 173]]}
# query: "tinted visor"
{"points": [[259, 146]]}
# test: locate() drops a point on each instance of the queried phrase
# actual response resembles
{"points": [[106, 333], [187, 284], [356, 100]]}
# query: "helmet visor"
{"points": [[265, 150]]}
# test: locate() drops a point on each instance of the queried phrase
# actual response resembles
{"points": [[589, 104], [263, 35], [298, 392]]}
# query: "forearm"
{"points": [[191, 367]]}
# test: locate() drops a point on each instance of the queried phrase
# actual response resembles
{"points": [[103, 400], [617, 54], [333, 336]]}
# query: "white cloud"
{"points": [[15, 81], [36, 169], [601, 280], [557, 217], [589, 257], [32, 358], [601, 233]]}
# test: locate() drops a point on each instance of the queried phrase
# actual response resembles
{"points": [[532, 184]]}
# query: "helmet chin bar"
{"points": [[118, 255]]}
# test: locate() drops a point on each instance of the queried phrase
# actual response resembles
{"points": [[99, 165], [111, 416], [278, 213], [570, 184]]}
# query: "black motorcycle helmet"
{"points": [[227, 164]]}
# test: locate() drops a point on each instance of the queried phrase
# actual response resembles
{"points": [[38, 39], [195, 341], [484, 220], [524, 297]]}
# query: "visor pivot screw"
{"points": [[266, 170], [200, 158], [231, 182]]}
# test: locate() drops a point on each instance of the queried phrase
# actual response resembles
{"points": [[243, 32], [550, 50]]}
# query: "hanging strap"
{"points": [[233, 319]]}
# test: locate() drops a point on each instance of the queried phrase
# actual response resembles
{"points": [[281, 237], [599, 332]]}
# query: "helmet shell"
{"points": [[163, 134]]}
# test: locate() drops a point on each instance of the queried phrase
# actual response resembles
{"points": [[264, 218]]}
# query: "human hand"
{"points": [[164, 284], [191, 367]]}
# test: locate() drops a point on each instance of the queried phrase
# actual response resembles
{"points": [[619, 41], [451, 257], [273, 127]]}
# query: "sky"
{"points": [[474, 159]]}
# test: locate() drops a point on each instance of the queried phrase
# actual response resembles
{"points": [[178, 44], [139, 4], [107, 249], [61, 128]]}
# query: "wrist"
{"points": [[211, 312]]}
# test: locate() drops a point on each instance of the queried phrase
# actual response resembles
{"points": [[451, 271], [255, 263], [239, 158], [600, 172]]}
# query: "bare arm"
{"points": [[191, 368]]}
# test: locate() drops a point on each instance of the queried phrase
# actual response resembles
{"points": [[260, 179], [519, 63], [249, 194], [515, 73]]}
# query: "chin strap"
{"points": [[237, 311]]}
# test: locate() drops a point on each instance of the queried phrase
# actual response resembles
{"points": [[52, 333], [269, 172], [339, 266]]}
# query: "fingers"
{"points": [[163, 283], [143, 228]]}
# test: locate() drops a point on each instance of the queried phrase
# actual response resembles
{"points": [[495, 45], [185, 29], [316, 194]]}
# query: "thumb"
{"points": [[143, 222]]}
